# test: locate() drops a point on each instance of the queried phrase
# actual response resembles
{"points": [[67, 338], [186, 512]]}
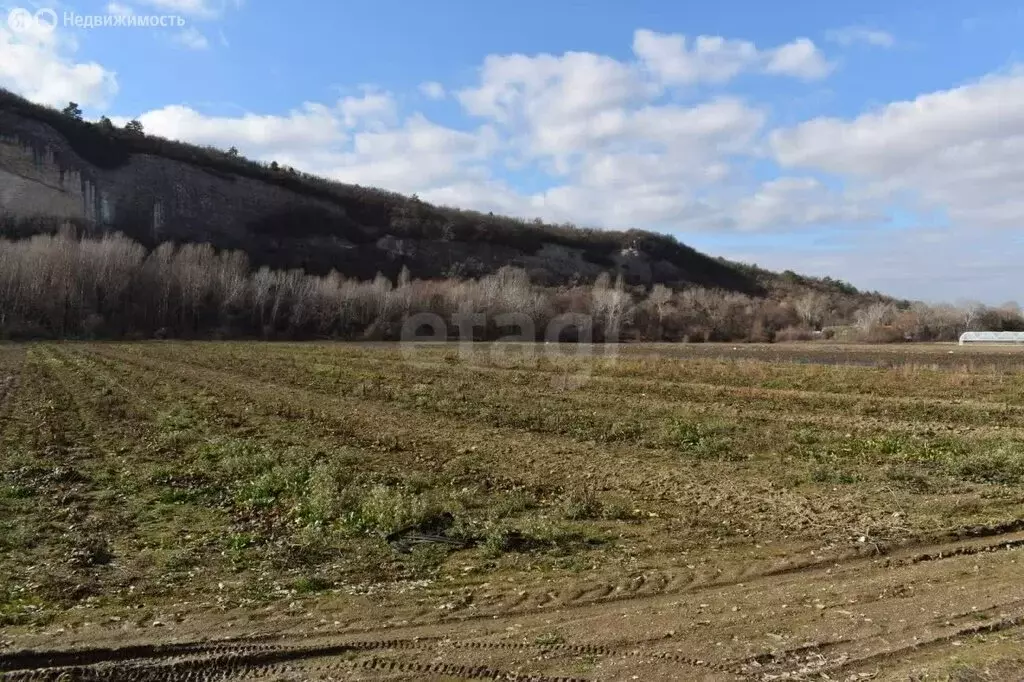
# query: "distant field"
{"points": [[732, 512]]}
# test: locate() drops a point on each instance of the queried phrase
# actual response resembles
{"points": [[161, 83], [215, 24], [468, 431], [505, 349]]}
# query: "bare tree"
{"points": [[63, 285], [612, 306], [874, 316], [812, 308]]}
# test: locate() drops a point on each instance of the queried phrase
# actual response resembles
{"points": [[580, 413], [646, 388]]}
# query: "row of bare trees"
{"points": [[881, 322], [62, 286]]}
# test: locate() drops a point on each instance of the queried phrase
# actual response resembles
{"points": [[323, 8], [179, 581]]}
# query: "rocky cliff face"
{"points": [[153, 199]]}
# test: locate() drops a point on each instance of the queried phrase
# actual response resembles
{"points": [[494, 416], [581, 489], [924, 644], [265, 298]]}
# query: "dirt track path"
{"points": [[853, 618]]}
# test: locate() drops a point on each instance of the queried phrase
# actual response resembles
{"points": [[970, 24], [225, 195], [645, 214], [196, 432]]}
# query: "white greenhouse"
{"points": [[991, 337]]}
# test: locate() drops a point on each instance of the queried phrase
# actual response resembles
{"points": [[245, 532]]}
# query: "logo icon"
{"points": [[46, 19], [21, 20]]}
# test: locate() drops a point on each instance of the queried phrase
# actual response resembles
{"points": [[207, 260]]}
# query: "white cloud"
{"points": [[40, 65], [419, 136], [713, 59], [957, 150], [853, 35], [517, 88], [800, 59], [191, 38], [414, 155], [417, 156], [311, 127], [628, 142], [373, 108], [616, 156], [787, 203], [571, 111], [432, 90], [593, 127]]}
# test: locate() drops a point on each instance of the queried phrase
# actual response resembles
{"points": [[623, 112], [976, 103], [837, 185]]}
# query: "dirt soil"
{"points": [[824, 617], [939, 604]]}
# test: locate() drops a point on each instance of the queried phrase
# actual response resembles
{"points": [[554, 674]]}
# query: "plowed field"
{"points": [[174, 510]]}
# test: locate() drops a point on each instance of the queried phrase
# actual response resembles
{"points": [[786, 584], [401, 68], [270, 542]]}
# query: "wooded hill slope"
{"points": [[155, 190]]}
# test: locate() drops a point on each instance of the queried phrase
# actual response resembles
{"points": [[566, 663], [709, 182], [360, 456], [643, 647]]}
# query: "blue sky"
{"points": [[872, 141]]}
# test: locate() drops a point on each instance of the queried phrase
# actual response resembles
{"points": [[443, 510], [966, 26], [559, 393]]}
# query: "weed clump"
{"points": [[702, 440], [310, 584], [581, 503], [539, 536], [385, 510], [1002, 465]]}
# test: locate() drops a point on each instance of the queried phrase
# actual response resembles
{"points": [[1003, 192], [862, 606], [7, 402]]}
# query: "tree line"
{"points": [[68, 286]]}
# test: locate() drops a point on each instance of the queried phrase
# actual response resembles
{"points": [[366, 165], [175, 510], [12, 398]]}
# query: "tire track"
{"points": [[917, 647], [257, 657], [222, 661], [661, 583], [790, 661], [29, 659]]}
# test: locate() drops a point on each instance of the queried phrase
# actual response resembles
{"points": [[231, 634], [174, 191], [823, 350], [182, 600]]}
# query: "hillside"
{"points": [[54, 166]]}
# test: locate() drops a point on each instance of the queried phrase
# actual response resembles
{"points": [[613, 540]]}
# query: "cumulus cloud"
{"points": [[800, 58], [517, 88], [631, 143], [373, 108], [957, 149], [41, 65], [359, 141], [675, 59], [309, 127], [615, 153], [584, 115], [416, 156], [795, 202], [611, 152]]}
